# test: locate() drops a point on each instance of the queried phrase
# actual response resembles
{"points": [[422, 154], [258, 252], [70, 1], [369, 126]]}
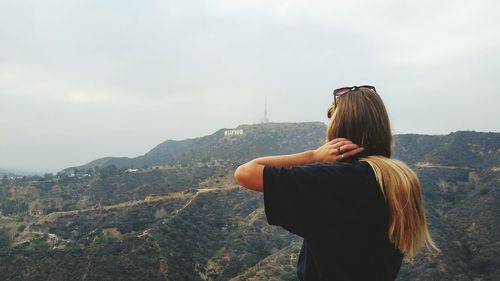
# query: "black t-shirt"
{"points": [[340, 211]]}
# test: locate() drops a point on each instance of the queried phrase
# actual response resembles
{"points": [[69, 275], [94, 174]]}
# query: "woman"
{"points": [[360, 212]]}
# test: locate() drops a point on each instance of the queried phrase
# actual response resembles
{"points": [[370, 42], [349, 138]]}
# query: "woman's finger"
{"points": [[353, 152], [338, 140], [349, 153], [343, 146], [348, 147]]}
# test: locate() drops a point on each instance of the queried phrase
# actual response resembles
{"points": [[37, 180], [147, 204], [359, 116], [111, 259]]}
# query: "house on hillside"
{"points": [[35, 209], [35, 213]]}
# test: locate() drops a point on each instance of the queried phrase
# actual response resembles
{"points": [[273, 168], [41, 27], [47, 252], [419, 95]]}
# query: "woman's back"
{"points": [[340, 212]]}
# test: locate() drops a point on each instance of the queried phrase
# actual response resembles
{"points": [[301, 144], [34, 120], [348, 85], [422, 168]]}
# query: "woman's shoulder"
{"points": [[345, 173], [343, 166], [348, 172]]}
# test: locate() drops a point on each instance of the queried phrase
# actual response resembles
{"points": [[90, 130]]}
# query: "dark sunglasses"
{"points": [[344, 90]]}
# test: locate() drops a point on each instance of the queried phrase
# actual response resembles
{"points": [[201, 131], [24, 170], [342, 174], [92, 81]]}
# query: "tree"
{"points": [[4, 238], [109, 171]]}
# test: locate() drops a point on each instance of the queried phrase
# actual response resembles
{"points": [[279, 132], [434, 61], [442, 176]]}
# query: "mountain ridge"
{"points": [[182, 151]]}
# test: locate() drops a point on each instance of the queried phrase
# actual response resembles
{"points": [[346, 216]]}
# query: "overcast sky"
{"points": [[80, 80]]}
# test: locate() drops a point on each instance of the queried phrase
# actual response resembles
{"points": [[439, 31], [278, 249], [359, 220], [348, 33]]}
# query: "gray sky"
{"points": [[80, 80]]}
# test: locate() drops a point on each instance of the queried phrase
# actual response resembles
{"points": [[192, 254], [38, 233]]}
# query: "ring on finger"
{"points": [[342, 156]]}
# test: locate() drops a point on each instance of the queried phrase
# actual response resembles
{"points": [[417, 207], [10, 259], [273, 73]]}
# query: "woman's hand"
{"points": [[336, 150]]}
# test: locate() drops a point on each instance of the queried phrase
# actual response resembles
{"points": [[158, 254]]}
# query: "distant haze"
{"points": [[80, 80]]}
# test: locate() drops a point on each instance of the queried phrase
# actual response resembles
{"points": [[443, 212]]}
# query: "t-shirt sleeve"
{"points": [[309, 200]]}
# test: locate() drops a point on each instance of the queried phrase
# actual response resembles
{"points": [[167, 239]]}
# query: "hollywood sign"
{"points": [[233, 132]]}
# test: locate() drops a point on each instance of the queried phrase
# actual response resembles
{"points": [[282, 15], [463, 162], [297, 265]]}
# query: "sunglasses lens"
{"points": [[369, 87], [341, 91]]}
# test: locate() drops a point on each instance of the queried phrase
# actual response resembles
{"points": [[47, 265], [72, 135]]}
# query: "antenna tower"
{"points": [[265, 120]]}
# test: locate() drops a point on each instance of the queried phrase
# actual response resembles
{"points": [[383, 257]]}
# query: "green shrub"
{"points": [[481, 264], [105, 239], [5, 239], [21, 228], [39, 244]]}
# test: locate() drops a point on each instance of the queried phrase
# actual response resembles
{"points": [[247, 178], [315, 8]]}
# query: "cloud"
{"points": [[117, 77]]}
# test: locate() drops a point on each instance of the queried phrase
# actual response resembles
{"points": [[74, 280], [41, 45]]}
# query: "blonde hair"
{"points": [[361, 117], [401, 189]]}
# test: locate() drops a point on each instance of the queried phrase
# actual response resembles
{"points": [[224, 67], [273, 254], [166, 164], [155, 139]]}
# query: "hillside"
{"points": [[255, 140], [179, 215]]}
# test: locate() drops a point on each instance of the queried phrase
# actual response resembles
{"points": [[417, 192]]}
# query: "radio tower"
{"points": [[265, 120]]}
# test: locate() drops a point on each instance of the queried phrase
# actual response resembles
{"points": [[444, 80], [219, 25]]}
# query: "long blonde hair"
{"points": [[361, 117]]}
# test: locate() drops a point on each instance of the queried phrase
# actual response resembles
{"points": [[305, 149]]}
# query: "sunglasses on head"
{"points": [[344, 90]]}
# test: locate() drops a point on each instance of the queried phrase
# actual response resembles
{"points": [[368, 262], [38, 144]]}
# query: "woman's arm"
{"points": [[250, 174]]}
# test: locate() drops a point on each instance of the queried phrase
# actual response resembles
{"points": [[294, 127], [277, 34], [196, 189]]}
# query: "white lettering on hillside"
{"points": [[233, 132]]}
